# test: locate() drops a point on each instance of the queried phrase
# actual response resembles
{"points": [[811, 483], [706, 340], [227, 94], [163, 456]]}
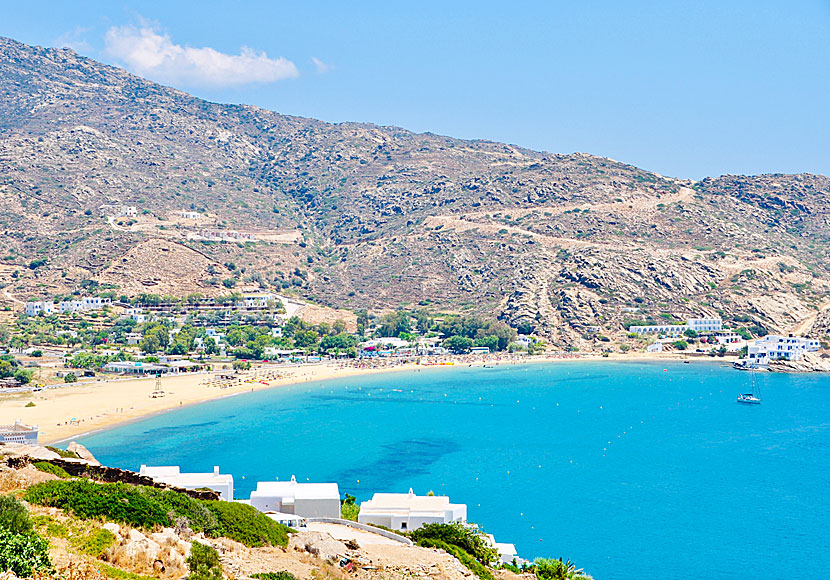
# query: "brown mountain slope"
{"points": [[356, 215]]}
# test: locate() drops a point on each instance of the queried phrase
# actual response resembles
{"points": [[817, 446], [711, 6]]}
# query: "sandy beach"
{"points": [[65, 412]]}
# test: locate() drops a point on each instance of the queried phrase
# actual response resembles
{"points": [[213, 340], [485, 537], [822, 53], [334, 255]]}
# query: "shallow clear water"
{"points": [[630, 470]]}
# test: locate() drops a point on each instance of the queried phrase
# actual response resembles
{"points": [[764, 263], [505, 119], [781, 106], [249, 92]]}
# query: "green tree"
{"points": [[491, 342], [306, 339], [458, 343], [70, 378], [149, 344]]}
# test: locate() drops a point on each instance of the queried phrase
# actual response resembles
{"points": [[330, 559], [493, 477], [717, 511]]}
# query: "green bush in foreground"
{"points": [[47, 467], [456, 534], [14, 517], [246, 524], [203, 563], [23, 553], [148, 507]]}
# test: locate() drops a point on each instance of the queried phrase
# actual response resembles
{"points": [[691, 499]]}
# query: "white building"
{"points": [[507, 552], [309, 500], [18, 433], [699, 325], [407, 511], [67, 306], [171, 475], [655, 347], [259, 300], [40, 307], [190, 215], [667, 329], [775, 347], [133, 337], [386, 341]]}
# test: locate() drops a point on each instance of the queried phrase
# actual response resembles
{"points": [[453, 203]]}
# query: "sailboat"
{"points": [[753, 398]]}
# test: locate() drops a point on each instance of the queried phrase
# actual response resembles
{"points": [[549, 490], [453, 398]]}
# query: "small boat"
{"points": [[753, 398], [749, 399]]}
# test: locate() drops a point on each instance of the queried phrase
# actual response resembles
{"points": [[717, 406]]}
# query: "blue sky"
{"points": [[686, 89]]}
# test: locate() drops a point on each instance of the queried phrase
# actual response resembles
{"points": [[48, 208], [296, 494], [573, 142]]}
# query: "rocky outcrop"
{"points": [[809, 363]]}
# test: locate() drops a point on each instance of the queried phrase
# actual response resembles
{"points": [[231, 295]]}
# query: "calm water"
{"points": [[630, 470]]}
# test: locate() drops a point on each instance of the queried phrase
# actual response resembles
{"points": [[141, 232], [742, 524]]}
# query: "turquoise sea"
{"points": [[631, 470]]}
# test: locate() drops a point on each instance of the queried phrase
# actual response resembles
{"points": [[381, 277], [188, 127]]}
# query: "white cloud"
{"points": [[321, 66], [148, 53]]}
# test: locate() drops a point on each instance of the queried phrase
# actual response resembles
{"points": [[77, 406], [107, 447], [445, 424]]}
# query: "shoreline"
{"points": [[101, 405]]}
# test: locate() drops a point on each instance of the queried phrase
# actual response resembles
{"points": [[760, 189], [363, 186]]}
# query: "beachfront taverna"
{"points": [[310, 500], [407, 511], [172, 475]]}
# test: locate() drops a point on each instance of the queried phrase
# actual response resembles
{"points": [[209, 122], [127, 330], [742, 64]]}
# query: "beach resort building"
{"points": [[136, 368], [309, 500], [18, 433], [775, 347], [172, 475], [699, 325], [407, 511]]}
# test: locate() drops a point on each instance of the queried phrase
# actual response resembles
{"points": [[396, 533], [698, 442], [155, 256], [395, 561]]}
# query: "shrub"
{"points": [[455, 534], [63, 452], [247, 525], [349, 509], [203, 563], [115, 501], [47, 467], [281, 575], [96, 542], [70, 378], [30, 404], [23, 553], [147, 507], [550, 569], [14, 517]]}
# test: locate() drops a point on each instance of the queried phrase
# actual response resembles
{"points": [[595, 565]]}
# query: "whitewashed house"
{"points": [[309, 500], [655, 347], [407, 511], [775, 347], [40, 307], [259, 300], [171, 475]]}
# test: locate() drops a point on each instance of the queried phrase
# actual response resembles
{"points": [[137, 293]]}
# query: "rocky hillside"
{"points": [[361, 216]]}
